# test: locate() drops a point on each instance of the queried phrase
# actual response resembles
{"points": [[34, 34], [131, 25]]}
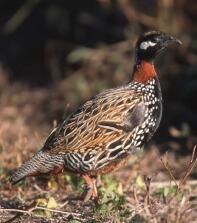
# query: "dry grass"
{"points": [[125, 195]]}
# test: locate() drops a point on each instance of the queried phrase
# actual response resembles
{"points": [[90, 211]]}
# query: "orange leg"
{"points": [[95, 192], [98, 181], [91, 188]]}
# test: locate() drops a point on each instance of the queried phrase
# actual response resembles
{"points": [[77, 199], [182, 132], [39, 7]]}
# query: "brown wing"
{"points": [[99, 121]]}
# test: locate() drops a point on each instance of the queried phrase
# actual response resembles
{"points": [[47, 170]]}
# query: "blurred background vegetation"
{"points": [[54, 55]]}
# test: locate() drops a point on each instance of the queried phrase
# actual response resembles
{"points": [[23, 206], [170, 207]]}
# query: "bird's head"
{"points": [[150, 44]]}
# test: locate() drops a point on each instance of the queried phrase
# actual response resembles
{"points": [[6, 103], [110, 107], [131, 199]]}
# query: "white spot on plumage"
{"points": [[140, 132], [144, 45]]}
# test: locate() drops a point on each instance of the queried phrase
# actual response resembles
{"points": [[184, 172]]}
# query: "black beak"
{"points": [[169, 40]]}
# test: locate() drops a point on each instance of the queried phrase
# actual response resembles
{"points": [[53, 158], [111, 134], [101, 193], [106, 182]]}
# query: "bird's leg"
{"points": [[90, 187], [98, 181], [95, 191]]}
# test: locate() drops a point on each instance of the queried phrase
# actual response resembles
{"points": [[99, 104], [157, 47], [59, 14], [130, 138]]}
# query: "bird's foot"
{"points": [[91, 192]]}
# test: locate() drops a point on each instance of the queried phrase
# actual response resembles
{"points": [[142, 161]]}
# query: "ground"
{"points": [[143, 191]]}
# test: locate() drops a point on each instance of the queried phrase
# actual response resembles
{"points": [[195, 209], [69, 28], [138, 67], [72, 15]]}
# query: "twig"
{"points": [[165, 164], [62, 205], [40, 189], [21, 212], [135, 195], [56, 211], [29, 212], [172, 183], [14, 210], [20, 15], [147, 181], [190, 167]]}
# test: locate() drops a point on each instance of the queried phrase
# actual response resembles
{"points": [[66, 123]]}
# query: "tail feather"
{"points": [[40, 163]]}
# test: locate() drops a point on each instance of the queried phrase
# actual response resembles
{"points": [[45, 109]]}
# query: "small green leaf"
{"points": [[41, 202], [166, 191], [52, 203], [140, 183]]}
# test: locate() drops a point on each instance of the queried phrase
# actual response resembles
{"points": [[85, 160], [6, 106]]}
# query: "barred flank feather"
{"points": [[39, 163]]}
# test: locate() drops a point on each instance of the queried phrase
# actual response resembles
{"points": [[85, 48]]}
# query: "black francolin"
{"points": [[99, 136]]}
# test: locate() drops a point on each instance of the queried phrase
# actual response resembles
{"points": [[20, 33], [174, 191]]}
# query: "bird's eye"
{"points": [[144, 45], [156, 39]]}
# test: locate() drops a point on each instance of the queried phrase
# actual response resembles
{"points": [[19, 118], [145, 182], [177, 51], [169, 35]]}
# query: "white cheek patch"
{"points": [[146, 44]]}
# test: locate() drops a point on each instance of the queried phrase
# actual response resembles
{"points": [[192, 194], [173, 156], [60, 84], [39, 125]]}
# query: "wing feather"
{"points": [[99, 121]]}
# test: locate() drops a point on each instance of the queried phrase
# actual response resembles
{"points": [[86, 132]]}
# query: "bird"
{"points": [[102, 133]]}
